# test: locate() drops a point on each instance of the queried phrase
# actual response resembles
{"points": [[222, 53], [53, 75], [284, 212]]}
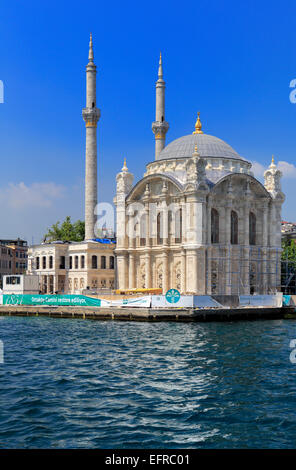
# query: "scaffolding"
{"points": [[257, 270], [288, 277]]}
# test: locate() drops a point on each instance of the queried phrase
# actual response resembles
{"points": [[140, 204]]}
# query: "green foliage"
{"points": [[289, 251], [67, 231]]}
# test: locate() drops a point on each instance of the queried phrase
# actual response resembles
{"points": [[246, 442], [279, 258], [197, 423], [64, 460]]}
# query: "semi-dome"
{"points": [[207, 146]]}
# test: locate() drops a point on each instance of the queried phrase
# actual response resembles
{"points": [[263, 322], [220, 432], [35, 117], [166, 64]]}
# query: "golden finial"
{"points": [[160, 58], [195, 153], [124, 168], [272, 165], [198, 125]]}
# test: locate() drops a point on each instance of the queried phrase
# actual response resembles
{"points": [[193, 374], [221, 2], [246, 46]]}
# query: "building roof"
{"points": [[207, 146]]}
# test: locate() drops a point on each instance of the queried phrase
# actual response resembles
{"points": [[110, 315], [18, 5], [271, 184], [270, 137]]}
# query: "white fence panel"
{"points": [[261, 300], [205, 301]]}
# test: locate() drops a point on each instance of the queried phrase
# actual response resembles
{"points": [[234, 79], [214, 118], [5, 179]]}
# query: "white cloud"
{"points": [[288, 169], [257, 169], [19, 195]]}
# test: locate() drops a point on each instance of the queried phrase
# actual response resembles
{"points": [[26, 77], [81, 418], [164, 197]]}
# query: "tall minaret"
{"points": [[91, 115], [160, 126]]}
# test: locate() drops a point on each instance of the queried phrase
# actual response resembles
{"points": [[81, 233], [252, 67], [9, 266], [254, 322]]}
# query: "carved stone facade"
{"points": [[199, 222]]}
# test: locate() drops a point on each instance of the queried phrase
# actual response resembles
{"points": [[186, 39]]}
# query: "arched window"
{"points": [[178, 226], [103, 262], [159, 228], [234, 228], [43, 262], [143, 230], [111, 262], [94, 262], [50, 262], [37, 262], [252, 229], [76, 262], [82, 262], [214, 226], [70, 262]]}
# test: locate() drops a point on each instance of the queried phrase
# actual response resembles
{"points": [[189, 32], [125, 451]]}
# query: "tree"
{"points": [[67, 231], [288, 267], [289, 251]]}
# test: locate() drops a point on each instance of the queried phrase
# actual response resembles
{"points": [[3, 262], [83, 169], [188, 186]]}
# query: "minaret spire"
{"points": [[91, 51], [91, 115], [160, 71], [160, 126]]}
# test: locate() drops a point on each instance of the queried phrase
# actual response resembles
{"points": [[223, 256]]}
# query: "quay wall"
{"points": [[148, 314]]}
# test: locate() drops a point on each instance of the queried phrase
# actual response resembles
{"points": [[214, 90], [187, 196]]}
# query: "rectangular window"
{"points": [[62, 262]]}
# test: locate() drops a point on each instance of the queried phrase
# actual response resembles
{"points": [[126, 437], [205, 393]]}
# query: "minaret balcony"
{"points": [[91, 116], [160, 128]]}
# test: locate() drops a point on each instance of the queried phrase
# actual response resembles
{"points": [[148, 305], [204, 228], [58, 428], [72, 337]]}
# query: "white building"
{"points": [[71, 268], [20, 284], [198, 220]]}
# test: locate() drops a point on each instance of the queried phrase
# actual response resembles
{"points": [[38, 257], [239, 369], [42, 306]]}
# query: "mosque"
{"points": [[198, 220]]}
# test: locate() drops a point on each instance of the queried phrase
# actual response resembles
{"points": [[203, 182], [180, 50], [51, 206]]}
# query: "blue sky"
{"points": [[231, 60]]}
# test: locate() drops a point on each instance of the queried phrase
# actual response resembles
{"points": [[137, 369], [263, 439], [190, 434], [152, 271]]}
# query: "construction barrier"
{"points": [[154, 301], [205, 301], [186, 301], [275, 300], [53, 300], [289, 300], [136, 302]]}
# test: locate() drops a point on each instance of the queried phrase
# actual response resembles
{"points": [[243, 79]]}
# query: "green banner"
{"points": [[77, 300]]}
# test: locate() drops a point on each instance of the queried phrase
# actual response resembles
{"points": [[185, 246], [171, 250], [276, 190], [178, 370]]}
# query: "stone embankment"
{"points": [[149, 314]]}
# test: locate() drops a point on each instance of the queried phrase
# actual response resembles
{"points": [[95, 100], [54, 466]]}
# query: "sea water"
{"points": [[68, 383]]}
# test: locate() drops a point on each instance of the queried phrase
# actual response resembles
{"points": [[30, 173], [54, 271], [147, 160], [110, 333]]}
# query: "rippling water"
{"points": [[79, 383]]}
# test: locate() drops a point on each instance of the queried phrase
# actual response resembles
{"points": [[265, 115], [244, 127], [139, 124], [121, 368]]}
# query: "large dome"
{"points": [[207, 146]]}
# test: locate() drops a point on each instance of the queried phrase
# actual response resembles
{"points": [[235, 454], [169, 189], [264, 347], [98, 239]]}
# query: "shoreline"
{"points": [[149, 314]]}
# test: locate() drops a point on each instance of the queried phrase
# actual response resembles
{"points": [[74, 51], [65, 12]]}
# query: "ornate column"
{"points": [[227, 277], [246, 247], [147, 270], [209, 270], [131, 274], [209, 220], [265, 267], [183, 272], [209, 247], [165, 272]]}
